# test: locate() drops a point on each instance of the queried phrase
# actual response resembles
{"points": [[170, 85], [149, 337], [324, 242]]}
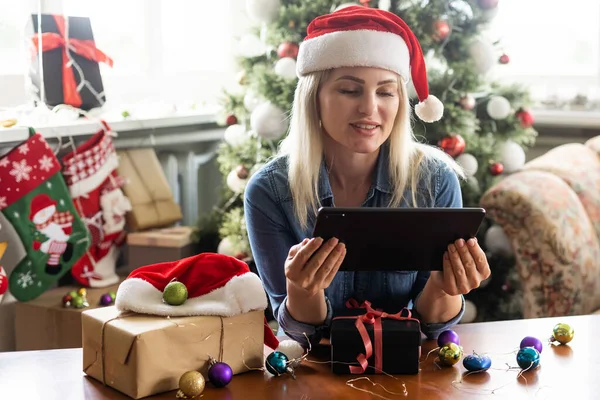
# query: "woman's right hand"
{"points": [[311, 265]]}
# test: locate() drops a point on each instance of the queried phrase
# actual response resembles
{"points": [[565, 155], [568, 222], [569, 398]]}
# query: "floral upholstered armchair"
{"points": [[550, 212]]}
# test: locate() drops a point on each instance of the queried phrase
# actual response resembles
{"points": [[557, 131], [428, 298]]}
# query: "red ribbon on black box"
{"points": [[377, 341], [83, 50]]}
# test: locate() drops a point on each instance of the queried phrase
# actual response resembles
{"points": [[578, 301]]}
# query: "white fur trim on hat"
{"points": [[430, 110], [358, 48], [240, 294]]}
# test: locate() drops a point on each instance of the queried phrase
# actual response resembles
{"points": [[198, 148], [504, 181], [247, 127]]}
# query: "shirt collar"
{"points": [[381, 181]]}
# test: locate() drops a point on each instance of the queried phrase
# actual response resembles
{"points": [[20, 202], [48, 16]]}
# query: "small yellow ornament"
{"points": [[562, 333], [191, 384], [450, 354], [82, 292]]}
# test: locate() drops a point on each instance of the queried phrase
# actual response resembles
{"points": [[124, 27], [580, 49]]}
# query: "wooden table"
{"points": [[569, 371]]}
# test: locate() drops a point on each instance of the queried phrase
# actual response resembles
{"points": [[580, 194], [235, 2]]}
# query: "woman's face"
{"points": [[358, 106]]}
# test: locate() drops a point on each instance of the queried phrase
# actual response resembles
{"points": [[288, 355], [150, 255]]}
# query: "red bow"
{"points": [[372, 317], [85, 48]]}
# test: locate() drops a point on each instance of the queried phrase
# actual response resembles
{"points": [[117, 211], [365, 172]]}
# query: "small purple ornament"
{"points": [[106, 300], [219, 373], [530, 341], [448, 336]]}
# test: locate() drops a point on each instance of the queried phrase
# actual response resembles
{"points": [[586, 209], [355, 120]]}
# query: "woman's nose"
{"points": [[368, 104]]}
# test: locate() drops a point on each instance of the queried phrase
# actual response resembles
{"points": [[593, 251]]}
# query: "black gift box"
{"points": [[78, 28], [401, 342]]}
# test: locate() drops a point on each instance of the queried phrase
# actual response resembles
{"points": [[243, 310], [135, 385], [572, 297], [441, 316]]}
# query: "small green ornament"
{"points": [[175, 293], [113, 295], [73, 293], [79, 302]]}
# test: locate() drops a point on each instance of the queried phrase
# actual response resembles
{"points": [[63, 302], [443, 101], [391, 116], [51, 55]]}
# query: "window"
{"points": [[553, 45], [163, 51]]}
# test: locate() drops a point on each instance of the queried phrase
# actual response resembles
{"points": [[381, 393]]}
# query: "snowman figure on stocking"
{"points": [[52, 232]]}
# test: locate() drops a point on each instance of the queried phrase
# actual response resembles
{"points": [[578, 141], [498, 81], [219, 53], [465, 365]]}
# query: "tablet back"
{"points": [[396, 239]]}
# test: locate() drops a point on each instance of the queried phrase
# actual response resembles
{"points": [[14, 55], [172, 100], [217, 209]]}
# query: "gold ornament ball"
{"points": [[563, 333], [191, 384], [82, 292], [450, 354], [175, 293]]}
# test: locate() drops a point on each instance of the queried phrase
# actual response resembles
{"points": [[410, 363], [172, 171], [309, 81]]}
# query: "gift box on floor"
{"points": [[160, 245], [374, 342], [141, 355], [62, 81], [45, 323]]}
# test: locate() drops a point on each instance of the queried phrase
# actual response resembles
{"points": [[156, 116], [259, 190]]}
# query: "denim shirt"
{"points": [[273, 229]]}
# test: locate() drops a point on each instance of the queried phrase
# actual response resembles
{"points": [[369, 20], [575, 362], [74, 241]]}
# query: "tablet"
{"points": [[396, 239]]}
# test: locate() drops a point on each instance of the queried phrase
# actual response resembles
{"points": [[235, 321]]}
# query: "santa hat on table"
{"points": [[358, 36], [217, 285]]}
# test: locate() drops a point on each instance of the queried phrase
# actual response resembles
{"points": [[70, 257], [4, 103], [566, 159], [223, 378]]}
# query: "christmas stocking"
{"points": [[35, 200], [3, 276], [91, 176]]}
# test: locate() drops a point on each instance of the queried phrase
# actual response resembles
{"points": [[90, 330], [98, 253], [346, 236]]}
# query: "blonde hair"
{"points": [[304, 149]]}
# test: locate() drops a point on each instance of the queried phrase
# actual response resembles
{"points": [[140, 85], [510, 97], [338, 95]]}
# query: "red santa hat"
{"points": [[217, 285], [359, 36], [40, 202]]}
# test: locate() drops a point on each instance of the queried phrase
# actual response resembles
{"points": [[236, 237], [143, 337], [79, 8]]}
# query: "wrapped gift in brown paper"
{"points": [[159, 245], [61, 326], [153, 205], [141, 355]]}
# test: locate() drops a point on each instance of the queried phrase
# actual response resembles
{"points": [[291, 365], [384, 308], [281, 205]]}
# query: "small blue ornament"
{"points": [[277, 363], [528, 358], [477, 363]]}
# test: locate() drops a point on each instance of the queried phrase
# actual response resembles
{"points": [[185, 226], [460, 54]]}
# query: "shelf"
{"points": [[85, 127], [567, 118]]}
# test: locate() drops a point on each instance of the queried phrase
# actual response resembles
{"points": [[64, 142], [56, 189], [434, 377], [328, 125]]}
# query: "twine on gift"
{"points": [[102, 345]]}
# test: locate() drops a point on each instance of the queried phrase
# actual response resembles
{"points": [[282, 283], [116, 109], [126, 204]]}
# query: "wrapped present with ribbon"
{"points": [[70, 59], [375, 342]]}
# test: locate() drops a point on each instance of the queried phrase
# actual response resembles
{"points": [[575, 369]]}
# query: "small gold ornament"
{"points": [[291, 24], [82, 292], [191, 384], [450, 354], [562, 333]]}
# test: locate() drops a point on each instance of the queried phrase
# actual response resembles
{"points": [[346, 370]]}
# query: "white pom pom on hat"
{"points": [[358, 36]]}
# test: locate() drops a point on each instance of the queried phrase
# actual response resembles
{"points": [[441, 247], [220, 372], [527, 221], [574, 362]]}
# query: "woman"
{"points": [[350, 144]]}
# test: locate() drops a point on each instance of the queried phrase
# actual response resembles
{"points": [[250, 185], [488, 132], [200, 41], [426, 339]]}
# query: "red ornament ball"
{"points": [[231, 120], [526, 118], [496, 168], [488, 4], [242, 172], [288, 49], [467, 102], [441, 30], [452, 145], [504, 59]]}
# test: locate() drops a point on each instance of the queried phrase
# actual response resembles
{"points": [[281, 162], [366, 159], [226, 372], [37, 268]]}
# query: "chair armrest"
{"points": [[555, 244]]}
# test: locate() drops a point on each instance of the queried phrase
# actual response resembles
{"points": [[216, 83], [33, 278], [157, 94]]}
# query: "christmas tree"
{"points": [[486, 125]]}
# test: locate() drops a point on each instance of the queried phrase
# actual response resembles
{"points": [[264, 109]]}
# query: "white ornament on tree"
{"points": [[251, 100], [251, 46], [512, 157], [263, 11], [235, 183], [226, 247], [469, 163], [497, 242], [268, 121], [498, 107], [286, 68], [470, 312], [344, 5], [235, 134], [483, 55], [384, 5]]}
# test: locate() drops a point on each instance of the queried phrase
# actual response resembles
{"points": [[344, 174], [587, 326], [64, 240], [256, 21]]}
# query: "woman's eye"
{"points": [[387, 94], [344, 91]]}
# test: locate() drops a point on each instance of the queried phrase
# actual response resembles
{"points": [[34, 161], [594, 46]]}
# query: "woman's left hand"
{"points": [[465, 266]]}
